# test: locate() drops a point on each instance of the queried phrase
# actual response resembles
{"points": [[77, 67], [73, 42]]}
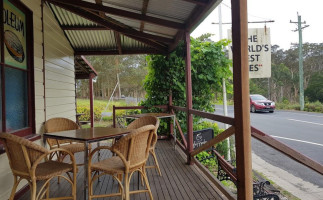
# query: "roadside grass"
{"points": [[98, 124], [83, 106], [309, 106]]}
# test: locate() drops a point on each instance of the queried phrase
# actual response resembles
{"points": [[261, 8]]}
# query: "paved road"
{"points": [[302, 131]]}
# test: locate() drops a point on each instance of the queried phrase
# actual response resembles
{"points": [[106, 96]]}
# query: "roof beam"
{"points": [[122, 13], [116, 34], [116, 52], [113, 26], [84, 28], [118, 42], [199, 13], [198, 2], [197, 16], [89, 64], [142, 37], [179, 36], [143, 12]]}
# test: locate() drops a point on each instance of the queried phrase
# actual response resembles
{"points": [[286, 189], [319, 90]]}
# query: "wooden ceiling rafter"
{"points": [[121, 13], [142, 37], [179, 36], [198, 13], [116, 52], [89, 65], [118, 42], [196, 16], [99, 2], [121, 28], [106, 18], [133, 36], [84, 28], [84, 70], [198, 2], [143, 12], [116, 34]]}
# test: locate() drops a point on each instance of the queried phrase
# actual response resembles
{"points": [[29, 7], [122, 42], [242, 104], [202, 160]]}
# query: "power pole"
{"points": [[118, 80], [300, 59], [224, 89]]}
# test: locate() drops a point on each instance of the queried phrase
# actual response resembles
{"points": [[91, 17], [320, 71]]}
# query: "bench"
{"points": [[226, 171], [83, 122]]}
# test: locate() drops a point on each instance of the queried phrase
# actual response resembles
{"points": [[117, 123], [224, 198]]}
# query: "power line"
{"points": [[253, 22]]}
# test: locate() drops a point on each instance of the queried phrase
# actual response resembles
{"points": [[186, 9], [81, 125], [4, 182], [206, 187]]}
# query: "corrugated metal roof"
{"points": [[125, 4], [174, 9], [67, 18], [129, 22], [128, 26], [91, 39]]}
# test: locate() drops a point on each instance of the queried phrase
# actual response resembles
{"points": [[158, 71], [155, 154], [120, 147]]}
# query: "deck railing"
{"points": [[257, 134]]}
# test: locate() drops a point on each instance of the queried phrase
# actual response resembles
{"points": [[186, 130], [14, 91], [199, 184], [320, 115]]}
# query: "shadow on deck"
{"points": [[178, 180]]}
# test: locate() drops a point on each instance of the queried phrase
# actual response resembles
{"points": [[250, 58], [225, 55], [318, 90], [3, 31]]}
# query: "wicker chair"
{"points": [[30, 161], [146, 120], [63, 124], [132, 152]]}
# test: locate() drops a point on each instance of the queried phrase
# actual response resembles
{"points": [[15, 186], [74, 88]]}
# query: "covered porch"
{"points": [[178, 181], [104, 27]]}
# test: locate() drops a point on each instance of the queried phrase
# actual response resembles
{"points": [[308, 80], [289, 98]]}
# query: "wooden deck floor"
{"points": [[178, 181]]}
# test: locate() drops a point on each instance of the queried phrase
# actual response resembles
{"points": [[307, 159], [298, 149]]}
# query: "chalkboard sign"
{"points": [[201, 137]]}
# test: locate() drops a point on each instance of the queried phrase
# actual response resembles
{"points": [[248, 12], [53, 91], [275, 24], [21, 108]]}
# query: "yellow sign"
{"points": [[14, 36]]}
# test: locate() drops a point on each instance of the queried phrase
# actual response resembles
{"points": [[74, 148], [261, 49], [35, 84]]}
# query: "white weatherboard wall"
{"points": [[59, 68], [59, 81]]}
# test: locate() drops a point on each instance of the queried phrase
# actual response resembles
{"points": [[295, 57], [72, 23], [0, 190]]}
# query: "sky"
{"points": [[281, 11]]}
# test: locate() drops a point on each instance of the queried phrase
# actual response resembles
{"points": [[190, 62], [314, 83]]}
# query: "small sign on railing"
{"points": [[201, 137]]}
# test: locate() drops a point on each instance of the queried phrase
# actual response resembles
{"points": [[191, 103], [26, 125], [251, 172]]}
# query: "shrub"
{"points": [[221, 147], [206, 159], [314, 107], [83, 106]]}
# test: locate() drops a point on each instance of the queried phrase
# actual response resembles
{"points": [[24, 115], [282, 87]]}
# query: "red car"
{"points": [[261, 103]]}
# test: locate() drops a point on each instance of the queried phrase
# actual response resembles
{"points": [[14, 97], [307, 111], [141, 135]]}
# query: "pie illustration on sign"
{"points": [[14, 46]]}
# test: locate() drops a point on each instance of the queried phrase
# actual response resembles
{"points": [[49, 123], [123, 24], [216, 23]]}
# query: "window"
{"points": [[17, 93]]}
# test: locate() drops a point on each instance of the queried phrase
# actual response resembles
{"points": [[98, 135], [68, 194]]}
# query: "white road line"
{"points": [[306, 122], [295, 113], [274, 136]]}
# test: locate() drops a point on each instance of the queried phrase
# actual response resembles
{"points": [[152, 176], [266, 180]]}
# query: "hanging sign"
{"points": [[259, 52], [14, 21]]}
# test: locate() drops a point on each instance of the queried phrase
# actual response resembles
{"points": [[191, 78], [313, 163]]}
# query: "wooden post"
{"points": [[114, 116], [170, 103], [189, 103], [91, 76], [241, 98]]}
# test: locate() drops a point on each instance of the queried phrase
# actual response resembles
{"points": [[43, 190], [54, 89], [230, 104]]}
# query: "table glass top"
{"points": [[88, 134], [160, 115]]}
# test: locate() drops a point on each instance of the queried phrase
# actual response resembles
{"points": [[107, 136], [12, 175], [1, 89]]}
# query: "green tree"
{"points": [[209, 65], [314, 91], [131, 69]]}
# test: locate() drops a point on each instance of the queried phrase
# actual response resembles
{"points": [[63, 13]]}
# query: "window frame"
{"points": [[30, 129]]}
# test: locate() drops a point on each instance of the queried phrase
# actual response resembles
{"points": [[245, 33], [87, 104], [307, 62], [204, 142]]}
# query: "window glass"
{"points": [[16, 99]]}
